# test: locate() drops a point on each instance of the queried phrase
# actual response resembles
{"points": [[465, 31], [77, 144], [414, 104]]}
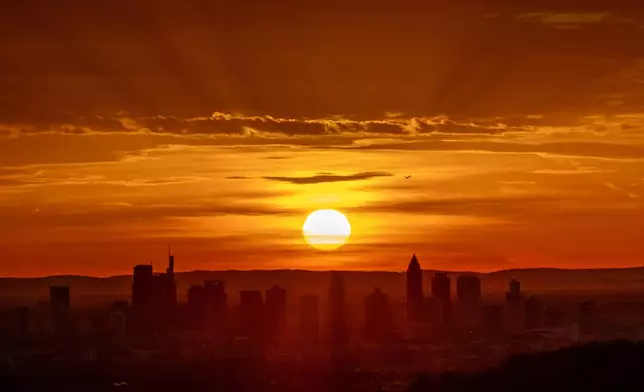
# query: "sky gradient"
{"points": [[128, 126]]}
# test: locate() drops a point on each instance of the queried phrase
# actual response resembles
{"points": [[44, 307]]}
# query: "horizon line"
{"points": [[332, 270]]}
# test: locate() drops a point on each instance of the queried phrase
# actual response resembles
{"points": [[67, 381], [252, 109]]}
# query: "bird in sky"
{"points": [[408, 177]]}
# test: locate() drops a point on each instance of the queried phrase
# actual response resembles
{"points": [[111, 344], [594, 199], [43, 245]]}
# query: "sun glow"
{"points": [[326, 229]]}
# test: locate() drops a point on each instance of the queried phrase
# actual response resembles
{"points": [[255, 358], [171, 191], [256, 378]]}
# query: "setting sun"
{"points": [[326, 229]]}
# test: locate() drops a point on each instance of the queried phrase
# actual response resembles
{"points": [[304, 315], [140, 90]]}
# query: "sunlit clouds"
{"points": [[217, 130]]}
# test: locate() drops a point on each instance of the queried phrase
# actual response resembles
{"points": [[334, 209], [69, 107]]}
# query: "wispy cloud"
{"points": [[321, 178]]}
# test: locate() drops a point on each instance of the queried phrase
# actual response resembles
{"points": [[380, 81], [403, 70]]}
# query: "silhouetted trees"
{"points": [[614, 366]]}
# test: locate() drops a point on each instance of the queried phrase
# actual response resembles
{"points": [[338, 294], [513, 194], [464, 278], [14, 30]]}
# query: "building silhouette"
{"points": [[23, 323], [378, 322], [309, 325], [59, 305], [275, 312], [534, 313], [154, 299], [216, 311], [251, 312], [118, 317], [441, 292], [492, 320], [414, 291], [514, 315], [468, 298], [337, 332], [196, 308], [588, 314]]}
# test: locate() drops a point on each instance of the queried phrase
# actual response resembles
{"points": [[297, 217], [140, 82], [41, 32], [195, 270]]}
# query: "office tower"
{"points": [[441, 291], [143, 300], [275, 312], [154, 299], [59, 299], [336, 321], [533, 313], [23, 323], [514, 320], [118, 317], [493, 320], [554, 317], [60, 305], [377, 314], [170, 288], [216, 305], [251, 312], [468, 297], [196, 308], [588, 317], [414, 291], [309, 318]]}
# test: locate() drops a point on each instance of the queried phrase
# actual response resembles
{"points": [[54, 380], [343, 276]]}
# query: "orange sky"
{"points": [[128, 126]]}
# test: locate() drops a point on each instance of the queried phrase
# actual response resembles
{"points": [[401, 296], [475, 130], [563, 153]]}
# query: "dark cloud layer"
{"points": [[322, 178], [152, 57]]}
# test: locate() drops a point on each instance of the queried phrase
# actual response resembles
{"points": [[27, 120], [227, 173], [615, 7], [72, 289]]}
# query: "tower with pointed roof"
{"points": [[414, 290]]}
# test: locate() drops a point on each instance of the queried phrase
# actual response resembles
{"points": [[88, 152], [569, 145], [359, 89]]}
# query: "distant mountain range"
{"points": [[358, 283]]}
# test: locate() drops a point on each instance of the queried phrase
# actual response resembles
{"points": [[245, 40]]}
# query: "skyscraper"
{"points": [[154, 298], [441, 291], [377, 314], [414, 291], [59, 299], [514, 319], [59, 303], [534, 313], [196, 307], [23, 323], [492, 320], [309, 318], [251, 312], [588, 317], [468, 297], [216, 306], [336, 321], [275, 311]]}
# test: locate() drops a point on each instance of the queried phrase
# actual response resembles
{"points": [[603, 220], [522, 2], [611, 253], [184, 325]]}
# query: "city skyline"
{"points": [[481, 137]]}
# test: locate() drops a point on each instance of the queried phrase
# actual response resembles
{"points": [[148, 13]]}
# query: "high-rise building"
{"points": [[216, 305], [492, 320], [154, 299], [309, 318], [59, 299], [534, 313], [378, 323], [23, 323], [514, 316], [251, 312], [196, 308], [337, 331], [441, 291], [275, 312], [118, 317], [468, 297], [59, 303], [588, 317], [414, 291]]}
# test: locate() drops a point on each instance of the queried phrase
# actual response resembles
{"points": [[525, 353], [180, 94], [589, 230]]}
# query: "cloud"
{"points": [[582, 149], [124, 213], [571, 18], [322, 178], [466, 206], [238, 178]]}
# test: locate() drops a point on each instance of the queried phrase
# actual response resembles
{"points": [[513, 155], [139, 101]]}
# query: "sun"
{"points": [[326, 229]]}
